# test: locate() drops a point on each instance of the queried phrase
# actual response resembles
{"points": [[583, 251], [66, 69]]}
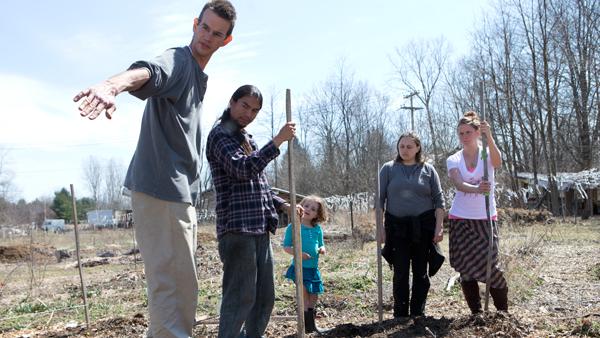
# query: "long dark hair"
{"points": [[245, 90], [419, 155]]}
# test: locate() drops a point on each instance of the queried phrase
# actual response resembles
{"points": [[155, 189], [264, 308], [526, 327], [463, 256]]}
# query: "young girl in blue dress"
{"points": [[314, 214]]}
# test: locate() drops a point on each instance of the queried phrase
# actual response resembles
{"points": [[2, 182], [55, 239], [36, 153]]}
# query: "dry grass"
{"points": [[552, 271]]}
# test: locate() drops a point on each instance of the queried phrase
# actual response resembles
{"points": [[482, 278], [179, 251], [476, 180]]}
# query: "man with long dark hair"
{"points": [[246, 214]]}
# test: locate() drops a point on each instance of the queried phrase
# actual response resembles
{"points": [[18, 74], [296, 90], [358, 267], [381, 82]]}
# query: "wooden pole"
{"points": [[488, 271], [133, 241], [352, 214], [32, 265], [378, 226], [296, 224], [83, 291]]}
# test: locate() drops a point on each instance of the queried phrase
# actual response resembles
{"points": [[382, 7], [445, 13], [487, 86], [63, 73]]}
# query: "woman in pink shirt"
{"points": [[469, 227]]}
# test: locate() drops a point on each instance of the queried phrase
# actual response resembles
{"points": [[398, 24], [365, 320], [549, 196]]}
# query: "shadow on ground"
{"points": [[401, 327]]}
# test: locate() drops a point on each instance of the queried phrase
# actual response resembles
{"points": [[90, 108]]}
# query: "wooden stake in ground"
{"points": [[76, 227], [295, 223], [484, 155], [378, 226], [32, 263]]}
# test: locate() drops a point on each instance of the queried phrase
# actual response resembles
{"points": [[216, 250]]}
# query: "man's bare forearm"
{"points": [[130, 80]]}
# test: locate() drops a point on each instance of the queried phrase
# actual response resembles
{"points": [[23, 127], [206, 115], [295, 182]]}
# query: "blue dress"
{"points": [[312, 240]]}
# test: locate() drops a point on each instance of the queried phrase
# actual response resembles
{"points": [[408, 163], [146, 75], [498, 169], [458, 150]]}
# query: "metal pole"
{"points": [[378, 225], [76, 227], [488, 272], [296, 224]]}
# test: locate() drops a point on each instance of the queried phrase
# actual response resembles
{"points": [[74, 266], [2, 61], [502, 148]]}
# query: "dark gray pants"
{"points": [[248, 284]]}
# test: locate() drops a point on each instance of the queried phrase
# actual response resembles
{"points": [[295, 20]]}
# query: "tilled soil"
{"points": [[557, 294]]}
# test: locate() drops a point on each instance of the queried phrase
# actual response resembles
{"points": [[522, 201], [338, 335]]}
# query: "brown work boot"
{"points": [[471, 291], [500, 297]]}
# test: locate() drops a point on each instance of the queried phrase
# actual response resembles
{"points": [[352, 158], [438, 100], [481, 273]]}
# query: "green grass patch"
{"points": [[27, 307]]}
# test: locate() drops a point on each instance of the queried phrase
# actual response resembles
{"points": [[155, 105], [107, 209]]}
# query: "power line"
{"points": [[44, 171], [65, 145]]}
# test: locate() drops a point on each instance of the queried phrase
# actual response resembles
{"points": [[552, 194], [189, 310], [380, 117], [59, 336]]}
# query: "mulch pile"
{"points": [[22, 253], [524, 216]]}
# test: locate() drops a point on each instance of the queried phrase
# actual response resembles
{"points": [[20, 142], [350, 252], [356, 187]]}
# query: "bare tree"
{"points": [[93, 175], [577, 36], [377, 142], [419, 66], [114, 176], [500, 46], [272, 118], [535, 25], [539, 60], [306, 178], [7, 187], [341, 112], [205, 186]]}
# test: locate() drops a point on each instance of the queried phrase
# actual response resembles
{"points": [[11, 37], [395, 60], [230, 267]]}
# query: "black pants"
{"points": [[411, 245], [415, 256]]}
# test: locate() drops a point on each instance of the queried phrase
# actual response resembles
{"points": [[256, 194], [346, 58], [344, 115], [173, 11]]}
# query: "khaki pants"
{"points": [[165, 233]]}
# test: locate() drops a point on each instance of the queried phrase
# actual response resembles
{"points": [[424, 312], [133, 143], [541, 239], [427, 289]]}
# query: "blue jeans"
{"points": [[248, 285]]}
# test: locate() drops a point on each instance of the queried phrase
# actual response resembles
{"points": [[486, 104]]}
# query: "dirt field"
{"points": [[553, 270]]}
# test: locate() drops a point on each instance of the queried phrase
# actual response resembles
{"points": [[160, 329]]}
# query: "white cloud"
{"points": [[47, 140], [38, 114]]}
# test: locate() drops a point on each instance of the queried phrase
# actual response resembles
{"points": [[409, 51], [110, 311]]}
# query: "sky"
{"points": [[54, 49]]}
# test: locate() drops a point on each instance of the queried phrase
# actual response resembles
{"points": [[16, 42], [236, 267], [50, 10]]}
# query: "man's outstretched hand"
{"points": [[96, 100]]}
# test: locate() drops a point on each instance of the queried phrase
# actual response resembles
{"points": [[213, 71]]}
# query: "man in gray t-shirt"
{"points": [[165, 168]]}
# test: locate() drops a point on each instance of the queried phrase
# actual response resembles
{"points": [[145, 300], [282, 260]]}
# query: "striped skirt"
{"points": [[469, 241]]}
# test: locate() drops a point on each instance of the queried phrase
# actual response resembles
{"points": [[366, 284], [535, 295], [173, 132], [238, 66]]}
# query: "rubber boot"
{"points": [[309, 322], [500, 297], [471, 291]]}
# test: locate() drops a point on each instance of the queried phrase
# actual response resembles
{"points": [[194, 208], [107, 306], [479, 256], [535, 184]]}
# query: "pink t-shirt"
{"points": [[471, 205]]}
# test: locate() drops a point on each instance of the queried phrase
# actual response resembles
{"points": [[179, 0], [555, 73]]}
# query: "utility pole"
{"points": [[412, 109]]}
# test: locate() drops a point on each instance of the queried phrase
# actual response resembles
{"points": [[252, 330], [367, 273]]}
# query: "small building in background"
{"points": [[109, 218], [54, 225], [579, 192]]}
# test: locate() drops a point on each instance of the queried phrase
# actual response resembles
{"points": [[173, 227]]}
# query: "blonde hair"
{"points": [[322, 215], [470, 118]]}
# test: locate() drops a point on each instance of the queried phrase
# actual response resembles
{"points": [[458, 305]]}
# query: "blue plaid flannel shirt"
{"points": [[245, 201]]}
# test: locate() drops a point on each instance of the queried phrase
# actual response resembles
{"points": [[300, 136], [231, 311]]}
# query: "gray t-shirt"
{"points": [[409, 190], [166, 162]]}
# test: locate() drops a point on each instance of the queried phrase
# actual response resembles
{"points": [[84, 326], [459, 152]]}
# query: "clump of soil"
{"points": [[492, 323], [108, 328], [21, 253], [524, 216]]}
